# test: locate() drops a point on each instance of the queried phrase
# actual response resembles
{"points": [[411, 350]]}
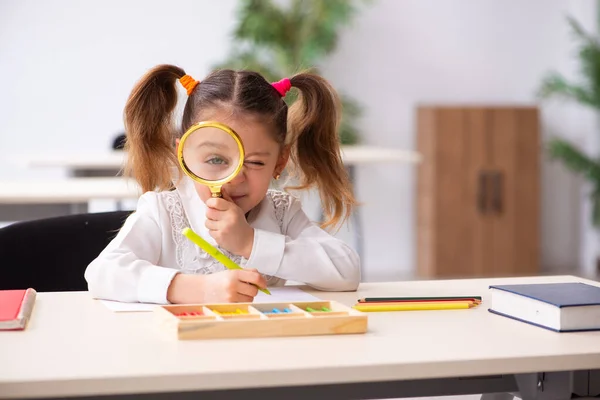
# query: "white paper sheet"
{"points": [[285, 293], [117, 306], [278, 295]]}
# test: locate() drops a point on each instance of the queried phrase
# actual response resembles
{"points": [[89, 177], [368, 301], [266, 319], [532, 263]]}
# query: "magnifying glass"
{"points": [[212, 154]]}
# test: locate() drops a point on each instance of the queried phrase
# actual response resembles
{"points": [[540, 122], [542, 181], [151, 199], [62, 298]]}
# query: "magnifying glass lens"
{"points": [[211, 154]]}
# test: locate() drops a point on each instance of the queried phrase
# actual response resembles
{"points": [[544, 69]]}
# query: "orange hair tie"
{"points": [[188, 83]]}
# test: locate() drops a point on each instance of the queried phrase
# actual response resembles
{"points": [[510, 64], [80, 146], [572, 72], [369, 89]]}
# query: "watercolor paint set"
{"points": [[252, 320]]}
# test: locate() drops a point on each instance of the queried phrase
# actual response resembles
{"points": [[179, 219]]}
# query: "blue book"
{"points": [[560, 307]]}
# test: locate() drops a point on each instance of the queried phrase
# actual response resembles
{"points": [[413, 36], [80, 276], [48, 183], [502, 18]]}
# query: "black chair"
{"points": [[51, 254]]}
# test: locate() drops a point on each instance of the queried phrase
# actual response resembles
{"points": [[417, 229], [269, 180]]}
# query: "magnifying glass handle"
{"points": [[216, 191]]}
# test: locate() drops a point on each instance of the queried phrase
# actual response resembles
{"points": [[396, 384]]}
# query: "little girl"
{"points": [[263, 230]]}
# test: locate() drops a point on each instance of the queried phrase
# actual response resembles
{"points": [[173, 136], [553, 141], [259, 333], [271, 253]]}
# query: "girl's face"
{"points": [[264, 159]]}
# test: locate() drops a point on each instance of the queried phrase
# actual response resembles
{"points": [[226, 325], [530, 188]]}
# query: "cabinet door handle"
{"points": [[497, 181], [482, 192]]}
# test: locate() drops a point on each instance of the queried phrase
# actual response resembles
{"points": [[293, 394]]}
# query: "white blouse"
{"points": [[140, 262]]}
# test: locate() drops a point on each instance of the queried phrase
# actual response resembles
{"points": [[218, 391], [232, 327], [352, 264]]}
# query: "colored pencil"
{"points": [[391, 303], [377, 299], [411, 307], [421, 301]]}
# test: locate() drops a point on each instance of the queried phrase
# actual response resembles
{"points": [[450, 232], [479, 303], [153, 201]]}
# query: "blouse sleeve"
{"points": [[126, 270], [306, 253]]}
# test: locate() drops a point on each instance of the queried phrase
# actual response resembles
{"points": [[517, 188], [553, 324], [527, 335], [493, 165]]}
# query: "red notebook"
{"points": [[15, 308]]}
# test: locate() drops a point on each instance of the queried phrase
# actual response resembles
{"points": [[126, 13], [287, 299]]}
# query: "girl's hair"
{"points": [[310, 128]]}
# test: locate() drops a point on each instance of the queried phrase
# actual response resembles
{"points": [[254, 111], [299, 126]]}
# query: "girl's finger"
{"points": [[218, 203], [252, 276], [213, 214], [226, 195], [246, 289], [242, 298], [211, 225]]}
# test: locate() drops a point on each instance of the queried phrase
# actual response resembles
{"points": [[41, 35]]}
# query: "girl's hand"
{"points": [[231, 286], [227, 224]]}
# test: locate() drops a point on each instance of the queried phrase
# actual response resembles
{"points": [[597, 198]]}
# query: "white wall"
{"points": [[404, 52], [66, 68]]}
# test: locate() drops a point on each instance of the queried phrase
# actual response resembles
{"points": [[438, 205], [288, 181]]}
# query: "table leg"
{"points": [[593, 383], [545, 385]]}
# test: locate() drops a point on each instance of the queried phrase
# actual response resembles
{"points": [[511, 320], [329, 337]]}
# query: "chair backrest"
{"points": [[51, 254]]}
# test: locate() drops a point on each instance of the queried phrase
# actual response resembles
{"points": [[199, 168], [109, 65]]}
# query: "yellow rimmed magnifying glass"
{"points": [[211, 153]]}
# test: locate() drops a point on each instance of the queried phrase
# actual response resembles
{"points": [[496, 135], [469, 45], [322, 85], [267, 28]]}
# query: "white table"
{"points": [[22, 200], [74, 346], [110, 163]]}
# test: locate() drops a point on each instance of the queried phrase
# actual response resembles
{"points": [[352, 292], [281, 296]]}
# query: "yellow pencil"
{"points": [[411, 307], [414, 303]]}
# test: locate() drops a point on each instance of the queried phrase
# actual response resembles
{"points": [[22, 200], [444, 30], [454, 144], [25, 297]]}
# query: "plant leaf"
{"points": [[575, 160]]}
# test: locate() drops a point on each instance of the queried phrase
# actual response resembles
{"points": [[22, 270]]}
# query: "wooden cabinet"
{"points": [[478, 191]]}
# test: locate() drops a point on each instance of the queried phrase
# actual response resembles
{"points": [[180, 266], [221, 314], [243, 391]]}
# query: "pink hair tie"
{"points": [[283, 86]]}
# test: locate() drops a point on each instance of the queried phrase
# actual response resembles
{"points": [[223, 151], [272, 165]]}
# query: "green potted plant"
{"points": [[586, 92], [279, 39]]}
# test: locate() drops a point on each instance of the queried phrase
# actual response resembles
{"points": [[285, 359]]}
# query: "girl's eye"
{"points": [[256, 163], [216, 161]]}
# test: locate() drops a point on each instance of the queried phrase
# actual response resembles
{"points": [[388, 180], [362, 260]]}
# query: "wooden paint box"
{"points": [[254, 320]]}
